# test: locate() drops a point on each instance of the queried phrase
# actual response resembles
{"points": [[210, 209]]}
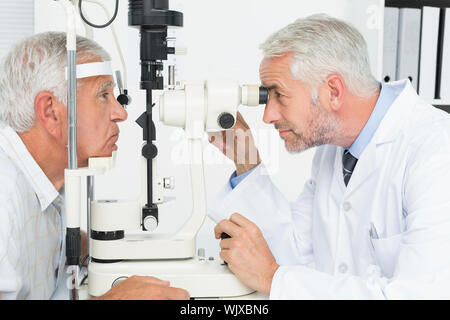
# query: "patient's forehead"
{"points": [[100, 83], [106, 84]]}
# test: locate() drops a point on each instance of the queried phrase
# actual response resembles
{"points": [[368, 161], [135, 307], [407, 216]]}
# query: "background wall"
{"points": [[222, 38], [16, 21]]}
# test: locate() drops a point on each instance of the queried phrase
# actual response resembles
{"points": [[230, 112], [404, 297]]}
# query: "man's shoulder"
{"points": [[15, 191], [424, 114], [424, 140], [428, 128], [10, 175]]}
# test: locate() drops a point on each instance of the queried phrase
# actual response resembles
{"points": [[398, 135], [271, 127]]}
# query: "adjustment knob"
{"points": [[150, 223], [226, 120], [124, 99], [149, 151], [225, 236]]}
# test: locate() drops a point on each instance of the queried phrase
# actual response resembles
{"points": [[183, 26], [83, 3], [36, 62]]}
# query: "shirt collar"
{"points": [[16, 150], [386, 98]]}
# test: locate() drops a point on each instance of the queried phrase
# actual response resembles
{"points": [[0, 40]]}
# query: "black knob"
{"points": [[225, 236], [124, 99], [149, 151], [226, 120]]}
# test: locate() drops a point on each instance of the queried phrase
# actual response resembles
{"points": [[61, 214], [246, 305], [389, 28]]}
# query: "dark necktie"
{"points": [[349, 163]]}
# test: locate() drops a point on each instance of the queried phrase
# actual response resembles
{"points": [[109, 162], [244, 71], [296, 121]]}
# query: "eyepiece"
{"points": [[253, 95], [263, 95]]}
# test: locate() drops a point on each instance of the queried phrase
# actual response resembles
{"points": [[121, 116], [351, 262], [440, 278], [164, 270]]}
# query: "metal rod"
{"points": [[90, 197], [119, 82], [72, 138], [75, 285], [72, 108], [171, 77], [73, 232], [149, 141]]}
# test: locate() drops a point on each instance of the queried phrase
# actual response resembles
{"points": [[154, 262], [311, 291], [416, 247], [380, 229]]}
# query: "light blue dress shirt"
{"points": [[385, 100], [234, 179]]}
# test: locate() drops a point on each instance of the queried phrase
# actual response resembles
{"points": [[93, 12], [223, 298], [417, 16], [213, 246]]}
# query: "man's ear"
{"points": [[48, 113], [336, 88]]}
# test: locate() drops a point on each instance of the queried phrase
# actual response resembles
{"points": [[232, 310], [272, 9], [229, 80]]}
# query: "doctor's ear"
{"points": [[335, 87], [49, 113]]}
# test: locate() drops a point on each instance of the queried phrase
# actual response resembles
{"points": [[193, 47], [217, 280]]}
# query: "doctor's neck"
{"points": [[353, 115]]}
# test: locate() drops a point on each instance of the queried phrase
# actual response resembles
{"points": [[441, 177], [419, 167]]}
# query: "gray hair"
{"points": [[37, 64], [322, 45]]}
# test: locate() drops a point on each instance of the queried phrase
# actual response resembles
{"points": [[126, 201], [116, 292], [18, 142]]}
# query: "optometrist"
{"points": [[373, 221]]}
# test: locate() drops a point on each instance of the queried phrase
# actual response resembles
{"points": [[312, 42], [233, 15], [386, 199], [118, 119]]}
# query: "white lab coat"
{"points": [[401, 184]]}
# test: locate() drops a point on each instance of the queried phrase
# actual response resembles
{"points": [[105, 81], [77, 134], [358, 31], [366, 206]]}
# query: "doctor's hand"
{"points": [[238, 145], [144, 288], [246, 252]]}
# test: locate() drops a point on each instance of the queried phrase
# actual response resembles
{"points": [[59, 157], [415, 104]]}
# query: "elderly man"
{"points": [[33, 156], [373, 221]]}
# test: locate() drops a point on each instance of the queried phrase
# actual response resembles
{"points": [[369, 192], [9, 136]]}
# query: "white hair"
{"points": [[37, 64], [321, 46]]}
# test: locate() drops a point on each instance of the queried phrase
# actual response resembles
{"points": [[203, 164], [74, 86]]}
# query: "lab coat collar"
{"points": [[393, 121], [365, 167], [388, 130]]}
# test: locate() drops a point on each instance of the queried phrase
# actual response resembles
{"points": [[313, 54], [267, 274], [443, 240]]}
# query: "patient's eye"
{"points": [[104, 95]]}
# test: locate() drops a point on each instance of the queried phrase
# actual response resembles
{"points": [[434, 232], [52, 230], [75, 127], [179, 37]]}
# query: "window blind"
{"points": [[16, 22]]}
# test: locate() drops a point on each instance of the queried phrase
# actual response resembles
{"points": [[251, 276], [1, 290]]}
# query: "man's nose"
{"points": [[271, 113], [118, 113]]}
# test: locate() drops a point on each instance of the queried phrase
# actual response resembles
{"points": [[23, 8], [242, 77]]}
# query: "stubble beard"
{"points": [[323, 128]]}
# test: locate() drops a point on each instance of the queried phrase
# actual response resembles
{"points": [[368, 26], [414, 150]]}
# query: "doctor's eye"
{"points": [[105, 95], [277, 94]]}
